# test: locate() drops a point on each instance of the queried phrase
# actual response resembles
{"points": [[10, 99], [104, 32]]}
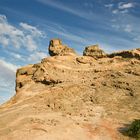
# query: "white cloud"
{"points": [[125, 5], [124, 11], [24, 36], [137, 38], [37, 56], [7, 79], [4, 41], [8, 65], [128, 28], [123, 8], [87, 14], [6, 28], [62, 7], [109, 5], [115, 11], [115, 26], [17, 56], [3, 18], [68, 35], [31, 43], [33, 30]]}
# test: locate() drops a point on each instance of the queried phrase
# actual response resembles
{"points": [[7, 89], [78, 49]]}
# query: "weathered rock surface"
{"points": [[57, 48], [73, 98], [127, 54], [94, 51]]}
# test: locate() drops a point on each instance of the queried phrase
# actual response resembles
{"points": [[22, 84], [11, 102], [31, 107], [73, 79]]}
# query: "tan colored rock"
{"points": [[85, 60], [73, 98], [23, 76], [57, 48], [94, 51]]}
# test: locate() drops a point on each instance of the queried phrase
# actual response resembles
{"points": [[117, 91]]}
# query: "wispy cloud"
{"points": [[123, 28], [21, 39], [115, 11], [119, 33], [120, 8], [11, 67], [125, 5], [86, 14], [123, 8], [7, 79], [137, 38], [128, 28], [63, 7], [25, 36], [109, 5], [125, 21], [31, 29], [36, 56], [17, 56], [67, 34]]}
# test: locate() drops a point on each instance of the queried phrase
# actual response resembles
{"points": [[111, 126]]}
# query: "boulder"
{"points": [[94, 51], [57, 48]]}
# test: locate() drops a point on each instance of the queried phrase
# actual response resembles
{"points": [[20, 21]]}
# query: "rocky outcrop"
{"points": [[94, 51], [127, 54], [73, 97], [57, 48], [24, 76]]}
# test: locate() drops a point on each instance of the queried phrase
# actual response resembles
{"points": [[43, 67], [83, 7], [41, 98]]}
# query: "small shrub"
{"points": [[134, 129]]}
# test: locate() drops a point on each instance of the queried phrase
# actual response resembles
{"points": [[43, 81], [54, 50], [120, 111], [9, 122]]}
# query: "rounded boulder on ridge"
{"points": [[57, 48], [94, 51]]}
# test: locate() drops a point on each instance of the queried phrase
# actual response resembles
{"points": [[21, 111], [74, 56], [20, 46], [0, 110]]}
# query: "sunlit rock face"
{"points": [[57, 48], [94, 51], [72, 97]]}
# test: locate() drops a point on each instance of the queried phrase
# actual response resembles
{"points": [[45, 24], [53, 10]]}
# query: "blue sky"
{"points": [[26, 26]]}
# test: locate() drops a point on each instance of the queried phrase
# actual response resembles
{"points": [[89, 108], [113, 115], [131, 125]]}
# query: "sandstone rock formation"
{"points": [[127, 54], [57, 48], [73, 97], [94, 51]]}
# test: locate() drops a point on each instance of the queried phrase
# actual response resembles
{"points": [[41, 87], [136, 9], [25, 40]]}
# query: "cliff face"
{"points": [[73, 97]]}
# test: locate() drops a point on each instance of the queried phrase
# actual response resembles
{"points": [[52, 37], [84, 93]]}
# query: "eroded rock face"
{"points": [[127, 54], [24, 76], [94, 51], [80, 94], [57, 48]]}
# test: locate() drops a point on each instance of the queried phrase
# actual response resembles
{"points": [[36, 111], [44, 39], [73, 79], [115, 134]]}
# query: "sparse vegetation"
{"points": [[134, 129]]}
